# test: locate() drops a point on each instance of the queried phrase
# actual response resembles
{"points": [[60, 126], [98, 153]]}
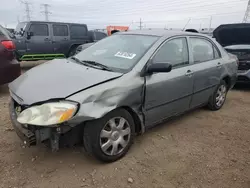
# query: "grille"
{"points": [[243, 65], [243, 78]]}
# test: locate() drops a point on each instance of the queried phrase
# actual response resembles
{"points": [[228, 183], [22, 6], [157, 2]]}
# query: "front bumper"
{"points": [[35, 135]]}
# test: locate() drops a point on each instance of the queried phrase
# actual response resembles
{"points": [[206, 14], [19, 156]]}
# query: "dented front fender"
{"points": [[97, 101]]}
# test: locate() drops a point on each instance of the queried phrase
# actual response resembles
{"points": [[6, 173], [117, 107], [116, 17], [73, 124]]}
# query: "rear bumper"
{"points": [[9, 72], [243, 77]]}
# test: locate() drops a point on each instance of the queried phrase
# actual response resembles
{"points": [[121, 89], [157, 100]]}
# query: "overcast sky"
{"points": [[153, 13]]}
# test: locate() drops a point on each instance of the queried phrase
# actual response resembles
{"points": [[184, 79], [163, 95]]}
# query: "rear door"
{"points": [[60, 39], [207, 68], [40, 42]]}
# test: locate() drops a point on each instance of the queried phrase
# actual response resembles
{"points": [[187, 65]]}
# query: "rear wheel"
{"points": [[109, 138], [218, 98]]}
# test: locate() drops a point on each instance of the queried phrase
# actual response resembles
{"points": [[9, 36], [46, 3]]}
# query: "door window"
{"points": [[202, 50], [216, 53], [39, 29], [60, 30], [174, 52], [78, 31]]}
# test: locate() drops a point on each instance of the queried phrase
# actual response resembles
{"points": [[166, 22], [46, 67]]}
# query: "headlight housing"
{"points": [[52, 113]]}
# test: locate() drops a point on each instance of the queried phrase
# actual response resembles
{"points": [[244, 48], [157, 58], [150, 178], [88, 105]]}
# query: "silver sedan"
{"points": [[119, 87]]}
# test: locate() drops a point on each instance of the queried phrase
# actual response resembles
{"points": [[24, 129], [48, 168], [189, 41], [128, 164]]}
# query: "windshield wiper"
{"points": [[94, 63], [91, 63], [79, 61]]}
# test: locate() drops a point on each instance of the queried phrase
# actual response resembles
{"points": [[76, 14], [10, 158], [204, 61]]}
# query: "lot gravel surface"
{"points": [[201, 149]]}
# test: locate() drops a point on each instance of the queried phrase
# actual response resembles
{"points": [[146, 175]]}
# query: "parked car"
{"points": [[235, 38], [94, 37], [48, 40], [119, 87], [9, 66]]}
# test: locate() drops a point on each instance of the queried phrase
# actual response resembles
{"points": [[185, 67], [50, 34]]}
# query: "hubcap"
{"points": [[114, 136], [221, 95]]}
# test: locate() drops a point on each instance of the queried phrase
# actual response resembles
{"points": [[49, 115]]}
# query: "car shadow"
{"points": [[3, 90], [242, 87]]}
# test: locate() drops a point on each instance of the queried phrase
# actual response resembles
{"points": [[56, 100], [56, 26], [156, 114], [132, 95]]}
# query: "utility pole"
{"points": [[27, 9], [140, 26], [246, 18], [210, 24], [46, 11]]}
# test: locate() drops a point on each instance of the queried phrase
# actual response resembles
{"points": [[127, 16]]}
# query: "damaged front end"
{"points": [[92, 103], [34, 134]]}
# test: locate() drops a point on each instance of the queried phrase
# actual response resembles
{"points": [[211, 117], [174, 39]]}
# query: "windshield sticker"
{"points": [[125, 55]]}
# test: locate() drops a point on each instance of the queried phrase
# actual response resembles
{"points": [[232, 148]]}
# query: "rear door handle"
{"points": [[189, 73]]}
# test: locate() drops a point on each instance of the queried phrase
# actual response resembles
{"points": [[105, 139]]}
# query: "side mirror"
{"points": [[29, 34], [158, 67]]}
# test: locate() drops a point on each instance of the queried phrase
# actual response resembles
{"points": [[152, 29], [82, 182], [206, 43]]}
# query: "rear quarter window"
{"points": [[78, 31]]}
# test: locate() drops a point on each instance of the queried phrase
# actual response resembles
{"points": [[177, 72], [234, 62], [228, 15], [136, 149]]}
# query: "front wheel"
{"points": [[109, 138], [218, 98]]}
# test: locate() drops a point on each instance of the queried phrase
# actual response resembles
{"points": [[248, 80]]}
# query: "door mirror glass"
{"points": [[29, 34], [159, 67]]}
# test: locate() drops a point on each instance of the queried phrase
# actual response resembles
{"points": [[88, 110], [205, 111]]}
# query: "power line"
{"points": [[247, 13], [166, 8], [46, 11], [173, 10]]}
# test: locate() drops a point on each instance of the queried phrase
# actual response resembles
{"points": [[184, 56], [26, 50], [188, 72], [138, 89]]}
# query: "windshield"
{"points": [[20, 26], [118, 52]]}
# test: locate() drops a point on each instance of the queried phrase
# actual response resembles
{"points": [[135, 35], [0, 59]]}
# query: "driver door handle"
{"points": [[189, 73], [219, 65]]}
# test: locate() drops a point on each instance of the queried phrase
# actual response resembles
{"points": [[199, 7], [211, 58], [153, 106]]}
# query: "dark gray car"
{"points": [[94, 36], [119, 87], [48, 40], [235, 38]]}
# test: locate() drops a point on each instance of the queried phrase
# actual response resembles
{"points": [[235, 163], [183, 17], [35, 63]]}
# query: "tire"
{"points": [[93, 140], [214, 103], [72, 51]]}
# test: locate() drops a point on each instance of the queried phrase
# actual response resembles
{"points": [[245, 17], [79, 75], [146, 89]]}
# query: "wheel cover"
{"points": [[115, 136], [221, 95]]}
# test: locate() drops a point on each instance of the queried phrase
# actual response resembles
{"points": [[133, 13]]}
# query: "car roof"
{"points": [[160, 33], [45, 22]]}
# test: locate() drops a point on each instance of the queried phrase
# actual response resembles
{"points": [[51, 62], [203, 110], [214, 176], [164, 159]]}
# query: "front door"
{"points": [[168, 94], [207, 69], [40, 42]]}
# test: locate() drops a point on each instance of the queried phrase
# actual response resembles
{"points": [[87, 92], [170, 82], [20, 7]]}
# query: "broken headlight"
{"points": [[48, 114]]}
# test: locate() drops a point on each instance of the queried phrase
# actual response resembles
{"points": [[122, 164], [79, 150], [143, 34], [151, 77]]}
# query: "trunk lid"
{"points": [[232, 34]]}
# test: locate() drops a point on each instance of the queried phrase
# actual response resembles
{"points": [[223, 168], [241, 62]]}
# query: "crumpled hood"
{"points": [[232, 34], [56, 79]]}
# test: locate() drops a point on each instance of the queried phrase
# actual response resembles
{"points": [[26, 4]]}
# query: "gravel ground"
{"points": [[201, 149]]}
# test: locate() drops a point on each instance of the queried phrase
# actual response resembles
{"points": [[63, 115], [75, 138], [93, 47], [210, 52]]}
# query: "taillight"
{"points": [[8, 44]]}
